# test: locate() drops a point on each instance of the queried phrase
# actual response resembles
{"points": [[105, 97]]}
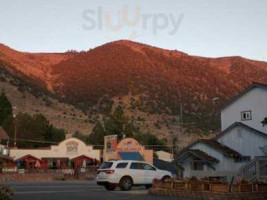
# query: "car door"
{"points": [[137, 172], [150, 173]]}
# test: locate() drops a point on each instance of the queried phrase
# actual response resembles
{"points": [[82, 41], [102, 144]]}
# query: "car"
{"points": [[128, 173]]}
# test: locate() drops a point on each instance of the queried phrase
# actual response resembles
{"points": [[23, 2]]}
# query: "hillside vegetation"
{"points": [[166, 93]]}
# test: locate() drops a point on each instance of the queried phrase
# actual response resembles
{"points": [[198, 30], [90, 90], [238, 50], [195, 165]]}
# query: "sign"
{"points": [[72, 147], [111, 142], [129, 145]]}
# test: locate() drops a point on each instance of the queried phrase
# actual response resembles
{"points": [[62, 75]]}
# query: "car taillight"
{"points": [[106, 171], [109, 171]]}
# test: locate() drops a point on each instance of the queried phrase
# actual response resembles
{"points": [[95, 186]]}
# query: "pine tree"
{"points": [[97, 135], [5, 107]]}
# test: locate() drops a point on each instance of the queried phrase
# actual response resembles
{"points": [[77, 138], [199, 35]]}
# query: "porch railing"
{"points": [[255, 169]]}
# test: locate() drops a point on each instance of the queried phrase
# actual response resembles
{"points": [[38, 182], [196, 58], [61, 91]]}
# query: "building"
{"points": [[241, 147], [6, 162], [70, 153], [165, 156], [126, 149], [248, 107]]}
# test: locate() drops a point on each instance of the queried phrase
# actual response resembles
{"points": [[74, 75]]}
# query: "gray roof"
{"points": [[213, 144], [254, 85], [240, 124], [196, 153]]}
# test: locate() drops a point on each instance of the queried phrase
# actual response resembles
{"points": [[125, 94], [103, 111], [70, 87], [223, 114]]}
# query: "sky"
{"points": [[210, 28]]}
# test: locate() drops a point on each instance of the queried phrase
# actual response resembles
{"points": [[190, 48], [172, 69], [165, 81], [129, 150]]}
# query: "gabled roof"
{"points": [[201, 155], [240, 124], [3, 134], [222, 148], [254, 85], [213, 144], [28, 156], [83, 157]]}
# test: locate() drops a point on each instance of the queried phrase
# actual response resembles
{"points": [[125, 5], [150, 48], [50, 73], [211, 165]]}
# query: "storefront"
{"points": [[71, 153], [6, 164], [126, 149]]}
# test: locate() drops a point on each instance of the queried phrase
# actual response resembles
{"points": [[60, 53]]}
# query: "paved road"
{"points": [[77, 191]]}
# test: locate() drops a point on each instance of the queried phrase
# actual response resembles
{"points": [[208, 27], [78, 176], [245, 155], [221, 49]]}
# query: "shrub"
{"points": [[6, 193]]}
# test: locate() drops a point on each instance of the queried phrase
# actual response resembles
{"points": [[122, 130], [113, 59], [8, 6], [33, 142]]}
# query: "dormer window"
{"points": [[246, 115]]}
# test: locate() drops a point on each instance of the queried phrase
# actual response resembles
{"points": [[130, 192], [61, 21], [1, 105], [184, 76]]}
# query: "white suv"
{"points": [[126, 173]]}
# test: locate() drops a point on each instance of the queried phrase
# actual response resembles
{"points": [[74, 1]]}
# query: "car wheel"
{"points": [[126, 183], [165, 178], [110, 187]]}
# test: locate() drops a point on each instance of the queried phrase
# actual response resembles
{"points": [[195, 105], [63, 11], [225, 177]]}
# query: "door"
{"points": [[137, 172], [150, 173]]}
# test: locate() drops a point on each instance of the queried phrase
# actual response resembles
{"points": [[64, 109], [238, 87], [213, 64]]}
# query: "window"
{"points": [[148, 167], [106, 165], [136, 165], [121, 165], [246, 115], [242, 159], [198, 166]]}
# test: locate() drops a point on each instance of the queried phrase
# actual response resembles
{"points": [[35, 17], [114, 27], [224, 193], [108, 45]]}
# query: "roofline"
{"points": [[83, 156], [240, 124], [201, 141], [199, 156], [27, 156], [241, 93]]}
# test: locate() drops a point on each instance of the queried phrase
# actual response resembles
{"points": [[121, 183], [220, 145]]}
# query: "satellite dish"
{"points": [[264, 149]]}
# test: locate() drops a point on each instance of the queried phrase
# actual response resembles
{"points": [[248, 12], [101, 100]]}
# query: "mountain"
{"points": [[162, 79], [25, 79], [152, 84], [34, 65]]}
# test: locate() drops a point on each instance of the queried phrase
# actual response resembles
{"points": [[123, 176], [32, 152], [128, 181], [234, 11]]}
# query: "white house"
{"points": [[248, 107], [208, 158], [241, 147]]}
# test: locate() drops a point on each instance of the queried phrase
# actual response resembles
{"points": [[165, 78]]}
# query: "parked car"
{"points": [[126, 173]]}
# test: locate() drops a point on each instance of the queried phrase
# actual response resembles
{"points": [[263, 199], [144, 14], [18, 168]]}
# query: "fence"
{"points": [[209, 186]]}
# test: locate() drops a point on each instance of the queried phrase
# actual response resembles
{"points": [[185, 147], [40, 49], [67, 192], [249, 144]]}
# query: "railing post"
{"points": [[257, 169]]}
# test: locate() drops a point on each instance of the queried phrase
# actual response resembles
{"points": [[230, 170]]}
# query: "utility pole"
{"points": [[181, 117], [15, 124]]}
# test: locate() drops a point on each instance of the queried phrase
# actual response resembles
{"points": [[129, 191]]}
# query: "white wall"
{"points": [[245, 142], [225, 163], [225, 167], [254, 100], [58, 151]]}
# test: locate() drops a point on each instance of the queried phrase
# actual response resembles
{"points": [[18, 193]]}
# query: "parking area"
{"points": [[77, 190]]}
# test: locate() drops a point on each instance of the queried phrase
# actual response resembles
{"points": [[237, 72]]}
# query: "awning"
{"points": [[130, 156]]}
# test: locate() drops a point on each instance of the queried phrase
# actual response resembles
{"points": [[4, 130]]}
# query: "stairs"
{"points": [[255, 169]]}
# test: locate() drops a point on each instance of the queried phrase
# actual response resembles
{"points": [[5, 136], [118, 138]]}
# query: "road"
{"points": [[77, 190]]}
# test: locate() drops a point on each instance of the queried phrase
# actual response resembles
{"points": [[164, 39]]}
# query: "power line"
{"points": [[36, 141]]}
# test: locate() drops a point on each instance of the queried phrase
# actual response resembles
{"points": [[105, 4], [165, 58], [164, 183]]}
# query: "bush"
{"points": [[6, 193]]}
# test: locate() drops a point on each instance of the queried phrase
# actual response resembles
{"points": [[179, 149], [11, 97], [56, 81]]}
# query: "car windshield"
{"points": [[106, 165]]}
